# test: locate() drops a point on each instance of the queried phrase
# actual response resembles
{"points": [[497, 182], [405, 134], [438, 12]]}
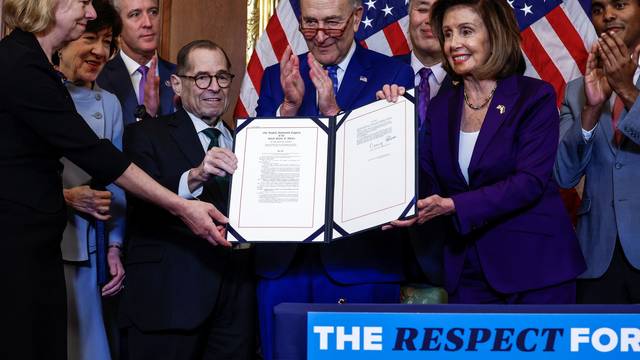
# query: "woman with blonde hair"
{"points": [[40, 124]]}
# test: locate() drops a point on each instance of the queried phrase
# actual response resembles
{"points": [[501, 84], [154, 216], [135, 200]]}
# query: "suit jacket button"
{"points": [[97, 115], [618, 165]]}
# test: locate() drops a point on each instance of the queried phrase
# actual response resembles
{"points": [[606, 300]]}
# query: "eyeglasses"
{"points": [[333, 30], [203, 81]]}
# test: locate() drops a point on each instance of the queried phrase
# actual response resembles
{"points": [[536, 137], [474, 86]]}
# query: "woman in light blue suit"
{"points": [[79, 63]]}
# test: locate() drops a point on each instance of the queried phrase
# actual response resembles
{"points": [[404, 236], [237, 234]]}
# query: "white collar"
{"points": [[438, 71], [132, 65], [342, 65]]}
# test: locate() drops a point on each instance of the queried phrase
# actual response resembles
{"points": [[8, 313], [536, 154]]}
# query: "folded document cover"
{"points": [[318, 179]]}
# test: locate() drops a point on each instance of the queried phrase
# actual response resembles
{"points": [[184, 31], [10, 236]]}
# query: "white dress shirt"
{"points": [[465, 151]]}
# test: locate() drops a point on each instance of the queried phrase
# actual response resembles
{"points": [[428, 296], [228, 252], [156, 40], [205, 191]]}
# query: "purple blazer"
{"points": [[511, 207]]}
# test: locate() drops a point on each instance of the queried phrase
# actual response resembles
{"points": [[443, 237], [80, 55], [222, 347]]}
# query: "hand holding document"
{"points": [[319, 179]]}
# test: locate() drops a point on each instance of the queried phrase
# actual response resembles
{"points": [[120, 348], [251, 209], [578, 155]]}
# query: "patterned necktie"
{"points": [[143, 70], [213, 134], [333, 75], [424, 93], [618, 107]]}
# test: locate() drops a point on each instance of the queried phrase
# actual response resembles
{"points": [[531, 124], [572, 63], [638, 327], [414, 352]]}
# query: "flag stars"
{"points": [[371, 4], [526, 9], [367, 22], [387, 10], [510, 3]]}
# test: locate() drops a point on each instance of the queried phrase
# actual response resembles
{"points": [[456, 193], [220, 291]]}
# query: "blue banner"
{"points": [[353, 336]]}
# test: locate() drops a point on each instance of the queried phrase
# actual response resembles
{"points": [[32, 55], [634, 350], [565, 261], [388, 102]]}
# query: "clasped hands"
{"points": [[610, 68], [293, 85]]}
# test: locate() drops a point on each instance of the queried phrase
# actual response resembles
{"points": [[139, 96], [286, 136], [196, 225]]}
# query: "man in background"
{"points": [[600, 140], [138, 66]]}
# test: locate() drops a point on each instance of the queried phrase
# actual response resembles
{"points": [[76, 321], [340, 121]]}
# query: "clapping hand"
{"points": [[152, 89], [291, 82], [326, 97]]}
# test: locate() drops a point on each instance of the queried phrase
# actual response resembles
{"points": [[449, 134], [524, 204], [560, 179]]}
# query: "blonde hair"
{"points": [[33, 16]]}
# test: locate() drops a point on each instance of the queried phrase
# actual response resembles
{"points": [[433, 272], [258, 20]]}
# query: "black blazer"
{"points": [[173, 277], [116, 79], [39, 125]]}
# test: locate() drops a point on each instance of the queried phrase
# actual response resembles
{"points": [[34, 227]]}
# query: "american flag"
{"points": [[556, 36]]}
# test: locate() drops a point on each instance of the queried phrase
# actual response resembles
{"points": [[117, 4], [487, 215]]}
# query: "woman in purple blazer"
{"points": [[487, 150]]}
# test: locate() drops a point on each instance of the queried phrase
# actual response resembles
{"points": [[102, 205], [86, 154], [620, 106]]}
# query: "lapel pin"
{"points": [[501, 108], [363, 79], [455, 82]]}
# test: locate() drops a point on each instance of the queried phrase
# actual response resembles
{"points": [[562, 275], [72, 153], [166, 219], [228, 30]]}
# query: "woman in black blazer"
{"points": [[39, 125]]}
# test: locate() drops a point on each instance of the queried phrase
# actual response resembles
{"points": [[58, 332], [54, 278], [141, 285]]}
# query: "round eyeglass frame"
{"points": [[310, 32], [210, 77]]}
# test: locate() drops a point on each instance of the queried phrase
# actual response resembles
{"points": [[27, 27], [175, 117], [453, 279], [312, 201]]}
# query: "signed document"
{"points": [[318, 179], [279, 189], [375, 166]]}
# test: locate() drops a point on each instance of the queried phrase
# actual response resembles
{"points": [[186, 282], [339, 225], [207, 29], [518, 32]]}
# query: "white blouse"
{"points": [[465, 150]]}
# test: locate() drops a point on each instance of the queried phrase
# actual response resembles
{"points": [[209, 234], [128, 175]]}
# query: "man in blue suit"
{"points": [[137, 65], [600, 140], [336, 74]]}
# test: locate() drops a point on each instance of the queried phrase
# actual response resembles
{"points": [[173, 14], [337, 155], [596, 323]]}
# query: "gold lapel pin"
{"points": [[501, 108]]}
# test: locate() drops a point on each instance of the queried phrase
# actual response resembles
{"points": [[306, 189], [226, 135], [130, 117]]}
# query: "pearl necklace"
{"points": [[484, 103]]}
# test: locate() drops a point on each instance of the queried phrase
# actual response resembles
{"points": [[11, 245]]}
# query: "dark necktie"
{"points": [[213, 134], [333, 75], [102, 267], [102, 272], [143, 70], [424, 93]]}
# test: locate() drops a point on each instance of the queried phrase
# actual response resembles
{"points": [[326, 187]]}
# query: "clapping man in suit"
{"points": [[184, 298], [600, 140], [336, 74], [137, 75]]}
